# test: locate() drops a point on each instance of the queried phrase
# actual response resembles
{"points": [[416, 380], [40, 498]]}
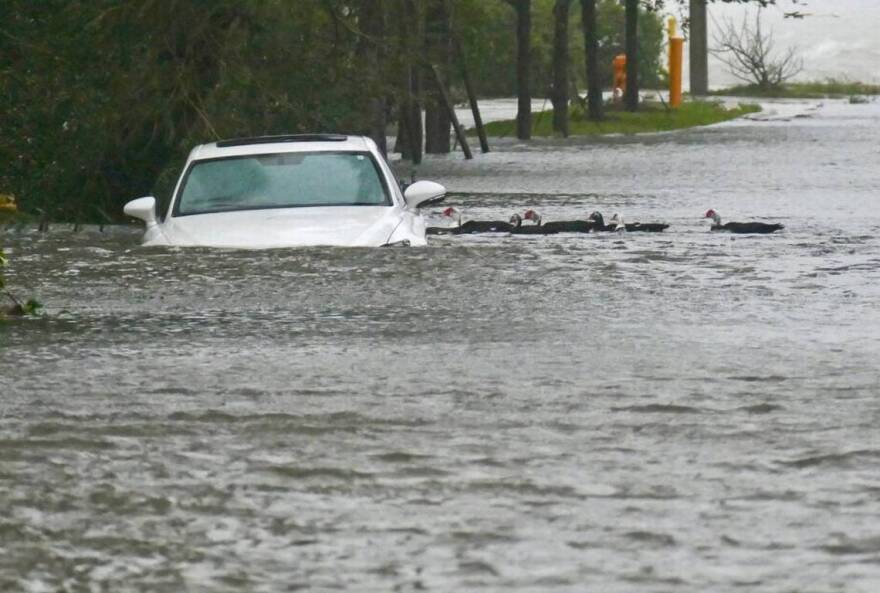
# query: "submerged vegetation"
{"points": [[17, 308], [652, 117]]}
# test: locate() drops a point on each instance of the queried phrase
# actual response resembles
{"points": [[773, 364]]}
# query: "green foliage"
{"points": [[612, 42], [652, 117], [487, 28], [101, 100], [30, 307]]}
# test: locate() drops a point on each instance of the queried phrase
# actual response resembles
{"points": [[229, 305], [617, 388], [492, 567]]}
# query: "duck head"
{"points": [[533, 216], [453, 213], [516, 220], [617, 222], [597, 217], [710, 213]]}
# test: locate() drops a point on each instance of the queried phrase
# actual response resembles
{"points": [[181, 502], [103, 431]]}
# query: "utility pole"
{"points": [[699, 53]]}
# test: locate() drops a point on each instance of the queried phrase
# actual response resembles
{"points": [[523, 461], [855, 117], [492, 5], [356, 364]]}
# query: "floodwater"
{"points": [[685, 412]]}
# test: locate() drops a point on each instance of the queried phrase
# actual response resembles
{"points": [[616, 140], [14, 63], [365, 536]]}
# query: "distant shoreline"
{"points": [[830, 88]]}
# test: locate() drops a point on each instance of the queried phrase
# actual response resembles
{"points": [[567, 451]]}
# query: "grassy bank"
{"points": [[651, 117], [804, 90]]}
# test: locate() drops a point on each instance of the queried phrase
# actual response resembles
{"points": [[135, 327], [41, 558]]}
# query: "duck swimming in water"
{"points": [[617, 224], [741, 227], [470, 226], [532, 229], [614, 227], [559, 226]]}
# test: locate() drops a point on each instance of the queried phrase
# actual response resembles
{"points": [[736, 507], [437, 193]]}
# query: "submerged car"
{"points": [[288, 191]]}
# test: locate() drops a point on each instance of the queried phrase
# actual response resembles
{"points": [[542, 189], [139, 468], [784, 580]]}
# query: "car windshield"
{"points": [[293, 179]]}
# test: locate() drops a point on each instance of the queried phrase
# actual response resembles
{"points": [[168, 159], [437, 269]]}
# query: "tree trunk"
{"points": [[591, 47], [559, 94], [410, 108], [699, 50], [374, 28], [450, 111], [631, 96], [438, 49], [472, 96], [523, 68]]}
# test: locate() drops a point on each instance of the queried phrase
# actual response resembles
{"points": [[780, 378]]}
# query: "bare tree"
{"points": [[750, 54]]}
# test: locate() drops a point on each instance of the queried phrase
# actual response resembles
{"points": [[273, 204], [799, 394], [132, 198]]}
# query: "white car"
{"points": [[288, 191]]}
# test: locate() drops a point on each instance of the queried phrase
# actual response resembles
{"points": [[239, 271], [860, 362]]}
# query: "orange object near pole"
{"points": [[676, 51], [618, 86]]}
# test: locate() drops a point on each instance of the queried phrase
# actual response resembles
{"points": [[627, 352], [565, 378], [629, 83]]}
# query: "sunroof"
{"points": [[282, 138]]}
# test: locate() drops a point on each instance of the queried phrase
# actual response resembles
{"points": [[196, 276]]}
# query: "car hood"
{"points": [[350, 226]]}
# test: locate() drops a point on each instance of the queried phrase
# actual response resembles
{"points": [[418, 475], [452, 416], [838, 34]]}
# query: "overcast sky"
{"points": [[837, 38]]}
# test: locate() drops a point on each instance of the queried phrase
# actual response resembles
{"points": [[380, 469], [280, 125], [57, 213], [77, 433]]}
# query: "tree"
{"points": [[697, 26], [101, 101], [559, 91], [750, 54], [631, 95], [523, 10], [438, 52], [591, 50], [371, 52], [409, 108], [699, 52]]}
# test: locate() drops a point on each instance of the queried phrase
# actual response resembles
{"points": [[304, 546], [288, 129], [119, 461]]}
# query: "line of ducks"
{"points": [[595, 222]]}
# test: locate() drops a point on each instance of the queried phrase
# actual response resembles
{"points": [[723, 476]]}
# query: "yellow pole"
{"points": [[676, 53]]}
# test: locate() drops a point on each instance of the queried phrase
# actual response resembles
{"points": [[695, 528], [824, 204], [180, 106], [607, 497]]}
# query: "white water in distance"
{"points": [[836, 38]]}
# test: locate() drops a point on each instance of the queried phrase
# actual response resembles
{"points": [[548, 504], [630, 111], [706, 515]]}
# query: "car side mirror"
{"points": [[143, 208], [423, 193]]}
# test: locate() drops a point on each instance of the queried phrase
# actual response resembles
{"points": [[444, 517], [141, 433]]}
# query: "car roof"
{"points": [[279, 144]]}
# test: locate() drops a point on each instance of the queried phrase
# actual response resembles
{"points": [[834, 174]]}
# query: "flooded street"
{"points": [[686, 411]]}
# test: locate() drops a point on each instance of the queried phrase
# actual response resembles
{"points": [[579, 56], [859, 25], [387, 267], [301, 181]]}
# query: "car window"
{"points": [[282, 181]]}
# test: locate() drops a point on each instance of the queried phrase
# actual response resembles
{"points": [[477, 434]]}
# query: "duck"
{"points": [[599, 222], [618, 225], [558, 226], [532, 229], [471, 226], [442, 230], [741, 227]]}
